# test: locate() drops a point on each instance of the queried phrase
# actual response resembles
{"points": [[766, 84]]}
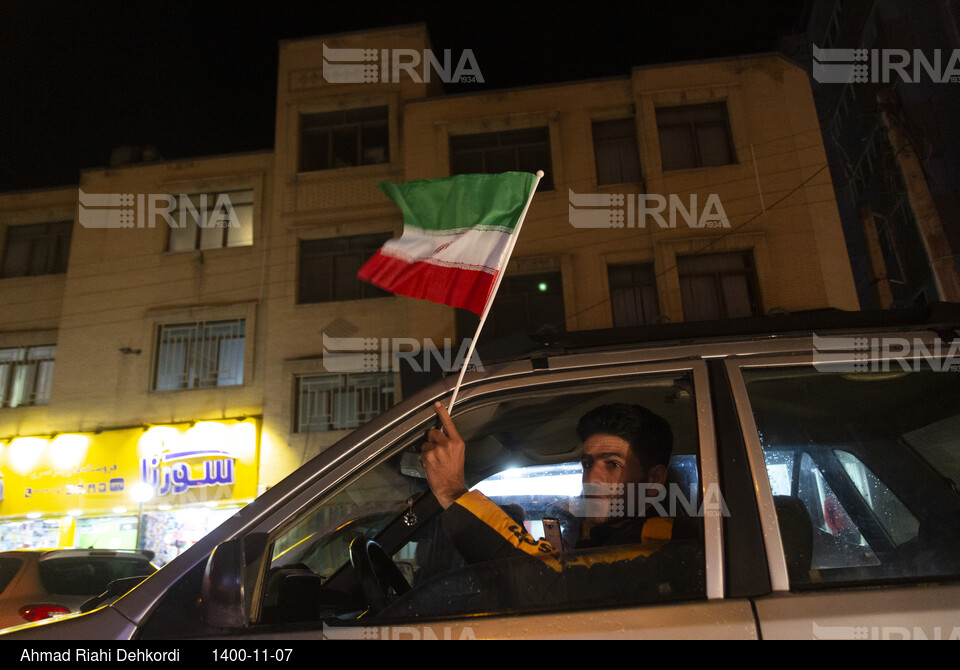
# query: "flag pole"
{"points": [[493, 293]]}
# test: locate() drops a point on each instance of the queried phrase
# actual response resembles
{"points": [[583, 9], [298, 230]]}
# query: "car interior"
{"points": [[322, 569], [868, 493]]}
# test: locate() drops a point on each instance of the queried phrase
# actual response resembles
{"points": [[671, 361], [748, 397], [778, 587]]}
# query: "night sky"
{"points": [[78, 79]]}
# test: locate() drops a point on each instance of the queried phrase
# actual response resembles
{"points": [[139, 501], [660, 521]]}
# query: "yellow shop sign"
{"points": [[178, 464]]}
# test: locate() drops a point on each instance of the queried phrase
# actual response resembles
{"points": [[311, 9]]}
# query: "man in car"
{"points": [[624, 446]]}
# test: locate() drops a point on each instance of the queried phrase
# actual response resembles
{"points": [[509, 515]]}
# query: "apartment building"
{"points": [[131, 353], [171, 354]]}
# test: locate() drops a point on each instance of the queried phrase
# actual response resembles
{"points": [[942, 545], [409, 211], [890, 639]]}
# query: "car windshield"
{"points": [[89, 575]]}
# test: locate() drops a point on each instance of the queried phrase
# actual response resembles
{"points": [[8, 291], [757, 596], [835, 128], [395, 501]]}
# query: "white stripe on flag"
{"points": [[470, 249]]}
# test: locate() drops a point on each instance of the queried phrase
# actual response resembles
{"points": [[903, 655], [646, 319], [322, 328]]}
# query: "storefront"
{"points": [[159, 487]]}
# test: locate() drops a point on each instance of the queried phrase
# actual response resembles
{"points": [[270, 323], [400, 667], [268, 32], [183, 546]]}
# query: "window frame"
{"points": [[466, 321], [382, 397], [610, 143], [57, 252], [378, 443], [202, 324], [635, 288], [367, 291], [25, 362], [198, 237], [692, 127], [330, 130], [802, 357], [546, 183], [749, 272]]}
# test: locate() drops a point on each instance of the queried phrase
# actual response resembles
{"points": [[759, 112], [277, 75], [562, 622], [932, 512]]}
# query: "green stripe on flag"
{"points": [[479, 201]]}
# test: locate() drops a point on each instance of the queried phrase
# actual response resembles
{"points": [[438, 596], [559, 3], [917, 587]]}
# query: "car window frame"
{"points": [[802, 357], [386, 444]]}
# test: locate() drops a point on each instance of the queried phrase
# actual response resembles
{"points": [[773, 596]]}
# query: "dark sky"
{"points": [[78, 79]]}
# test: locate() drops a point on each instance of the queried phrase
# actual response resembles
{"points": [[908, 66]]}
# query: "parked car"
{"points": [[816, 458], [37, 584]]}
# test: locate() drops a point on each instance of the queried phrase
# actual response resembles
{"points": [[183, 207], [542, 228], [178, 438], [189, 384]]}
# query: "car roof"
{"points": [[938, 317]]}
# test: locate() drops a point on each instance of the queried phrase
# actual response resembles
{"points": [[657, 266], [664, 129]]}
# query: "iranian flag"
{"points": [[458, 233]]}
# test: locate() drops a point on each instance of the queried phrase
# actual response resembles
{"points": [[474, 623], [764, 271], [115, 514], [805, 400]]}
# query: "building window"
{"points": [[341, 401], [203, 354], [25, 375], [694, 136], [344, 138], [527, 303], [526, 150], [615, 149], [633, 294], [718, 286], [212, 221], [36, 249], [328, 268]]}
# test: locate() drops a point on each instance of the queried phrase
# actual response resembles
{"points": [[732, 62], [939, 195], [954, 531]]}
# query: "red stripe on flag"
{"points": [[468, 289]]}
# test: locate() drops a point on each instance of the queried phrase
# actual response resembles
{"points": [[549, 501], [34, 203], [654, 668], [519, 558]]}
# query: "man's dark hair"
{"points": [[648, 434]]}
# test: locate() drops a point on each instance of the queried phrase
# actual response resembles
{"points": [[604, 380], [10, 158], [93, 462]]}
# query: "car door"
{"points": [[856, 460], [308, 585]]}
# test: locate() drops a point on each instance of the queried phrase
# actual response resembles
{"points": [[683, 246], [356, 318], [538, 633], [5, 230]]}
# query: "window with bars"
{"points": [[212, 221], [525, 150], [328, 268], [718, 286], [25, 375], [202, 354], [633, 294], [341, 401], [34, 249], [694, 136], [615, 151], [344, 138]]}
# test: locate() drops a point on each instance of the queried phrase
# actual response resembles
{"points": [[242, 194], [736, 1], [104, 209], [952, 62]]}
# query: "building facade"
{"points": [[131, 353], [196, 328], [893, 143]]}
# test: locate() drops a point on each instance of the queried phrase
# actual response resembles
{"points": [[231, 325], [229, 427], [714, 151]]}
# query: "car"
{"points": [[815, 463], [37, 584]]}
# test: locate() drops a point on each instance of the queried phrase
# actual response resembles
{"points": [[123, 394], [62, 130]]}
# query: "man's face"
{"points": [[608, 460]]}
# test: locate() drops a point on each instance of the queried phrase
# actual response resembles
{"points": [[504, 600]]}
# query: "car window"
{"points": [[524, 456], [8, 570], [858, 465], [88, 575]]}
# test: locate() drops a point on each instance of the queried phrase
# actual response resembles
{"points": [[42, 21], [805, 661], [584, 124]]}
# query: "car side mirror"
{"points": [[221, 591]]}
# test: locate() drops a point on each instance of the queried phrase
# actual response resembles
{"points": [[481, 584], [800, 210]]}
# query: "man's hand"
{"points": [[442, 459]]}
